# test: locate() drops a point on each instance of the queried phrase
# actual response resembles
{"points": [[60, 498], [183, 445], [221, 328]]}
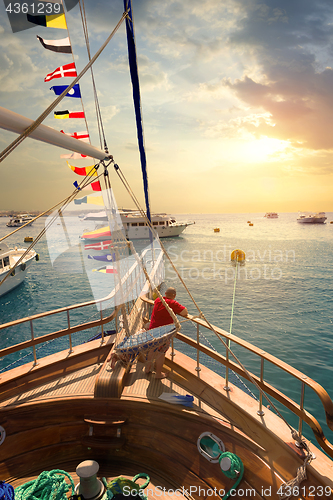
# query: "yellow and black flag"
{"points": [[67, 114], [53, 21]]}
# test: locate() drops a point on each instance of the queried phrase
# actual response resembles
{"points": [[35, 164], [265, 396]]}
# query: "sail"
{"points": [[114, 269]]}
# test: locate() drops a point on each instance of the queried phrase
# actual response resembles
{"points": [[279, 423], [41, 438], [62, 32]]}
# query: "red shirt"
{"points": [[160, 315]]}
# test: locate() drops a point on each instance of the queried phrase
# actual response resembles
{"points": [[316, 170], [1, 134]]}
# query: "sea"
{"points": [[279, 300]]}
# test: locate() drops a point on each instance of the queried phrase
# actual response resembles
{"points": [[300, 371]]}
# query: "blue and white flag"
{"points": [[74, 92], [103, 258]]}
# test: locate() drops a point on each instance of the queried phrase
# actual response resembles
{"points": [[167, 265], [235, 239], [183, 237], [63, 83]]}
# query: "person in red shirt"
{"points": [[160, 317]]}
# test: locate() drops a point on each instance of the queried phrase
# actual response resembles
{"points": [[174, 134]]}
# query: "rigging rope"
{"points": [[42, 117], [287, 489], [97, 106], [201, 314], [231, 318], [64, 203]]}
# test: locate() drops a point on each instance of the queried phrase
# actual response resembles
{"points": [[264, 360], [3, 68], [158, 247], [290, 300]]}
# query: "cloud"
{"points": [[292, 87], [150, 74], [18, 72]]}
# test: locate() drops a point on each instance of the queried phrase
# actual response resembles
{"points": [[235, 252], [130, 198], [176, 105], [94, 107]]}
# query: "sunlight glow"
{"points": [[262, 149]]}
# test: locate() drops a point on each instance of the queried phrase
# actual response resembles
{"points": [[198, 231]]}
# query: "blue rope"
{"points": [[6, 491]]}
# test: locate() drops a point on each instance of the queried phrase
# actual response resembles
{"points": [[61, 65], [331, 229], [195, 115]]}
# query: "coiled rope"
{"points": [[236, 470], [6, 491], [50, 485]]}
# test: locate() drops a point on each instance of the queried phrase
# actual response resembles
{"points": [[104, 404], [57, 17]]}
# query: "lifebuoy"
{"points": [[37, 256]]}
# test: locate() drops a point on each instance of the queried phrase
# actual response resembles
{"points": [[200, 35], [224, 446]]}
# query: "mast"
{"points": [[137, 99], [18, 123]]}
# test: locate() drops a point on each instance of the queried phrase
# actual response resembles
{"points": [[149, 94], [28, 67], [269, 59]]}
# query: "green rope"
{"points": [[233, 299], [230, 329], [50, 485], [236, 470]]}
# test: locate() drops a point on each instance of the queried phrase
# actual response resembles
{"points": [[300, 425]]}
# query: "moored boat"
{"points": [[314, 218], [20, 220], [8, 259], [271, 215], [136, 226]]}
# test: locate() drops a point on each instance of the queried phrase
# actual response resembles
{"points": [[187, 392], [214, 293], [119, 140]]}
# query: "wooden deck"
{"points": [[82, 382], [158, 487]]}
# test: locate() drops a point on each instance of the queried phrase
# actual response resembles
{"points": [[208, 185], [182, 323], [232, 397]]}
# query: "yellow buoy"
{"points": [[331, 222], [238, 256], [28, 238], [217, 230], [251, 224]]}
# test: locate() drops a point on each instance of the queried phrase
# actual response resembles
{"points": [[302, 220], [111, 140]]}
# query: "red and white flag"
{"points": [[61, 72], [82, 136], [103, 245], [75, 156]]}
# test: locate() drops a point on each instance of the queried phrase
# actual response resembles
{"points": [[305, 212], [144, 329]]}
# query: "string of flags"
{"points": [[63, 46], [61, 72]]}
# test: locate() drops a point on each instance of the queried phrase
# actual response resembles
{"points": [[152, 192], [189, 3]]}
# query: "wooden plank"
{"points": [[56, 366]]}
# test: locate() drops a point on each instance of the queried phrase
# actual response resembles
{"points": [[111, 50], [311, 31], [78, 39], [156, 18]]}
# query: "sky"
{"points": [[237, 101]]}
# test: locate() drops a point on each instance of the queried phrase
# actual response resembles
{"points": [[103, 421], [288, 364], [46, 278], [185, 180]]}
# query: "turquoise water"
{"points": [[283, 294]]}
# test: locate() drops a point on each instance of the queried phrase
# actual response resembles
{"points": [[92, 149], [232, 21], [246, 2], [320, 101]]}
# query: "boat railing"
{"points": [[133, 280], [263, 357]]}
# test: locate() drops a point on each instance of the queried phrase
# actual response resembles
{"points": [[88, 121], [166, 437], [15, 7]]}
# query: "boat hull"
{"points": [[312, 220], [18, 224], [140, 433], [135, 233], [14, 281]]}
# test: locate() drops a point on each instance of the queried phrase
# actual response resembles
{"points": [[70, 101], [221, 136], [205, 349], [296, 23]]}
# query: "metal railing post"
{"points": [[172, 350], [226, 387], [198, 369], [102, 340], [69, 335], [33, 347], [260, 411], [300, 423]]}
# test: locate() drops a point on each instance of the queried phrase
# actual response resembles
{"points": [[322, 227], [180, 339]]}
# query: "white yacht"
{"points": [[271, 215], [318, 218], [20, 220], [135, 225], [8, 258]]}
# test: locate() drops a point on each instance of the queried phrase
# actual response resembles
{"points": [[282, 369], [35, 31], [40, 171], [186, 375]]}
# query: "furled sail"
{"points": [[113, 267]]}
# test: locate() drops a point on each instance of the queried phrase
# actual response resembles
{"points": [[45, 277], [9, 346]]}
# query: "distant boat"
{"points": [[135, 225], [318, 218], [20, 220], [8, 258], [271, 215]]}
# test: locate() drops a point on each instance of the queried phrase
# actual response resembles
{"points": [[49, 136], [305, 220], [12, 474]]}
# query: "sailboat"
{"points": [[72, 424]]}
